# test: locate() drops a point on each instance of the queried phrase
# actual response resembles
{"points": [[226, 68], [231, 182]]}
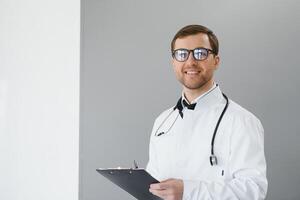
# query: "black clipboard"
{"points": [[134, 181]]}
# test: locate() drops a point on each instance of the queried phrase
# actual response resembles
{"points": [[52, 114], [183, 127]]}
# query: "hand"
{"points": [[170, 189]]}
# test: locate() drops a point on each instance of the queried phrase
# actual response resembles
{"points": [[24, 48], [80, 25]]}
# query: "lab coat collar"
{"points": [[209, 98]]}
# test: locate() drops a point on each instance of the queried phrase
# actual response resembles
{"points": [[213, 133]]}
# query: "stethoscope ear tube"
{"points": [[180, 108]]}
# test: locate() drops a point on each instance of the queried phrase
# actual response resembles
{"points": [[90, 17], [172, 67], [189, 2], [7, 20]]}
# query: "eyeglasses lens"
{"points": [[200, 54], [181, 54]]}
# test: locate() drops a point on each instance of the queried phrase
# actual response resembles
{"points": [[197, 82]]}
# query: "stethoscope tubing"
{"points": [[213, 158]]}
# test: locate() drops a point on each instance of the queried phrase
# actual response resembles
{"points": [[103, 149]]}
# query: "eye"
{"points": [[200, 53], [181, 54]]}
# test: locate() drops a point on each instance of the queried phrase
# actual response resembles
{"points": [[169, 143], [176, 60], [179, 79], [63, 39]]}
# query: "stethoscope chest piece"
{"points": [[213, 160]]}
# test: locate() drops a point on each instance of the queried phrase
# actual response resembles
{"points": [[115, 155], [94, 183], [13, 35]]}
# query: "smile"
{"points": [[192, 72]]}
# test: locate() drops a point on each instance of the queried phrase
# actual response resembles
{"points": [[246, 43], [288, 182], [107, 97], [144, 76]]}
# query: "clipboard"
{"points": [[134, 181]]}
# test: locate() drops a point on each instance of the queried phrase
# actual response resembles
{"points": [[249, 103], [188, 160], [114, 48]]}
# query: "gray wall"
{"points": [[127, 80]]}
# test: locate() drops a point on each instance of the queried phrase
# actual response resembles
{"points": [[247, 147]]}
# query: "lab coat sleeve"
{"points": [[247, 168]]}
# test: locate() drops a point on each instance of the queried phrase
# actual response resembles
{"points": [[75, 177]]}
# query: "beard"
{"points": [[195, 82]]}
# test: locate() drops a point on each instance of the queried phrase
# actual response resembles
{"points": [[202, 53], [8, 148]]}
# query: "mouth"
{"points": [[192, 72]]}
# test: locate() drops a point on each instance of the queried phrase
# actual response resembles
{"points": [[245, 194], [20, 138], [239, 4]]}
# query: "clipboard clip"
{"points": [[135, 164]]}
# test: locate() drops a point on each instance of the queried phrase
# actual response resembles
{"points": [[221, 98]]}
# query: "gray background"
{"points": [[127, 80]]}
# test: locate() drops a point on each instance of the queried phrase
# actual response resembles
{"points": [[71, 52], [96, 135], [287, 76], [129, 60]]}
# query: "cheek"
{"points": [[177, 69], [208, 66], [177, 73]]}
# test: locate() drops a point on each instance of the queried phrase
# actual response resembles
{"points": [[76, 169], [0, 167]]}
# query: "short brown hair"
{"points": [[195, 29]]}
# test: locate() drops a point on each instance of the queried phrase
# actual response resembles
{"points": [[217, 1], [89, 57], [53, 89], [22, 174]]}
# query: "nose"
{"points": [[191, 60]]}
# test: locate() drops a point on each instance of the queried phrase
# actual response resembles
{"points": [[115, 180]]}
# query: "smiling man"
{"points": [[206, 146]]}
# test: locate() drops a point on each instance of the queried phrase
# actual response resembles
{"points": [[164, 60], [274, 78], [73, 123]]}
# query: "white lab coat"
{"points": [[184, 151]]}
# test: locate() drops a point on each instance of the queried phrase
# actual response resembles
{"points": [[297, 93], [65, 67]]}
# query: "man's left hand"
{"points": [[170, 189]]}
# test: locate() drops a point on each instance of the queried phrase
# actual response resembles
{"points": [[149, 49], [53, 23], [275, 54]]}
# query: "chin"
{"points": [[193, 86]]}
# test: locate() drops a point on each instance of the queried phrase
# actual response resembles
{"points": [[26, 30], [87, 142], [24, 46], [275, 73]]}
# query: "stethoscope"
{"points": [[212, 158]]}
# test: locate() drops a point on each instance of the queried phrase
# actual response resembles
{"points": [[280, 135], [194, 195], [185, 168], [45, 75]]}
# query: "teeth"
{"points": [[192, 72]]}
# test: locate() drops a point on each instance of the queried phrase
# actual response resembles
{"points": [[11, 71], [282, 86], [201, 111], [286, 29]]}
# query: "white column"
{"points": [[39, 99]]}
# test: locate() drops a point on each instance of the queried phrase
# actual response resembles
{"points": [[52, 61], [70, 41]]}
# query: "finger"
{"points": [[167, 180], [161, 193], [155, 186], [164, 181], [159, 186]]}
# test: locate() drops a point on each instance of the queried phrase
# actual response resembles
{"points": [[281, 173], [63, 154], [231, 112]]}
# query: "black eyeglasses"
{"points": [[199, 53]]}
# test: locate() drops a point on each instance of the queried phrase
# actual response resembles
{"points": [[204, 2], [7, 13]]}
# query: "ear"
{"points": [[217, 61]]}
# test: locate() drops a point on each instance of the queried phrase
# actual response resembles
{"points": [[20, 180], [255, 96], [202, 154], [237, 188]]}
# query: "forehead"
{"points": [[193, 41]]}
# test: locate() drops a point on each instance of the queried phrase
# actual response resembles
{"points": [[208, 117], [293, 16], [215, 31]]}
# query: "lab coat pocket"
{"points": [[218, 172]]}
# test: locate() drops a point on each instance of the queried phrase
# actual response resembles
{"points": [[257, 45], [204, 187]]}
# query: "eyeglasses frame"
{"points": [[192, 50]]}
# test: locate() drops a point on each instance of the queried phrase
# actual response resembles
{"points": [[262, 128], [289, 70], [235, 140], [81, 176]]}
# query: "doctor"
{"points": [[205, 146]]}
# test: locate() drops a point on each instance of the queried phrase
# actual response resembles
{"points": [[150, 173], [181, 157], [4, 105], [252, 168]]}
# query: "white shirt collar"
{"points": [[199, 97], [210, 97]]}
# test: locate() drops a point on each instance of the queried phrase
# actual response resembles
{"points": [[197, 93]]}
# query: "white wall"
{"points": [[39, 99]]}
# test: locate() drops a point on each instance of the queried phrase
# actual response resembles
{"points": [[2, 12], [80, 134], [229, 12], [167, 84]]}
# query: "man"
{"points": [[206, 147]]}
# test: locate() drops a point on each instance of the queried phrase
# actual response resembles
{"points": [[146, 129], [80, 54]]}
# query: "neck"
{"points": [[192, 94]]}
